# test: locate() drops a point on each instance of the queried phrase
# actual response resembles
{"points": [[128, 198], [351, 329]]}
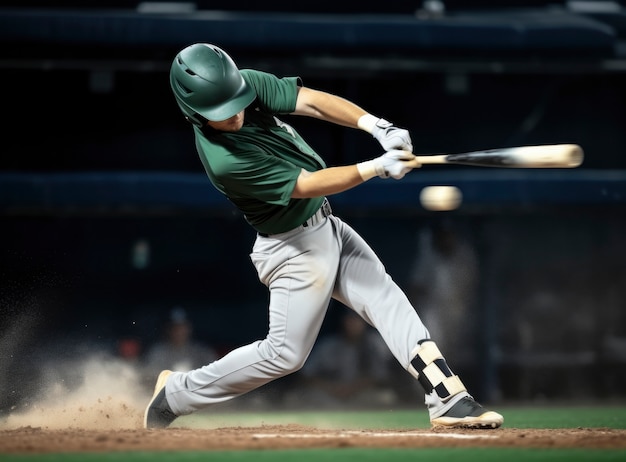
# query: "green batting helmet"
{"points": [[206, 82]]}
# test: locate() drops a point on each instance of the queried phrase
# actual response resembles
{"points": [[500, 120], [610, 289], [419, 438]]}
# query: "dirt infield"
{"points": [[30, 440]]}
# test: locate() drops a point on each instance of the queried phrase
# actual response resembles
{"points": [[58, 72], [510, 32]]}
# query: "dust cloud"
{"points": [[106, 394]]}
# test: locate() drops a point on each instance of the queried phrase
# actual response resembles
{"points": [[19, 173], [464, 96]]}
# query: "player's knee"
{"points": [[292, 362], [285, 360]]}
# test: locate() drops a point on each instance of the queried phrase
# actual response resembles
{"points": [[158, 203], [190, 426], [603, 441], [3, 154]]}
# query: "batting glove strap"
{"points": [[371, 168], [368, 122], [391, 137]]}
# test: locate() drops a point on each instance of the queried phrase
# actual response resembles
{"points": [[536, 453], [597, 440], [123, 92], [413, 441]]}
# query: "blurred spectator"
{"points": [[129, 349], [178, 351], [443, 287], [351, 367]]}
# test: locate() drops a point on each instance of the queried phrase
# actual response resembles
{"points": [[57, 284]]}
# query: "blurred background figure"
{"points": [[178, 350], [443, 287], [129, 350], [351, 367]]}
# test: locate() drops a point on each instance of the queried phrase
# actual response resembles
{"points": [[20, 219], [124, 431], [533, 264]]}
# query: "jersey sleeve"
{"points": [[275, 95]]}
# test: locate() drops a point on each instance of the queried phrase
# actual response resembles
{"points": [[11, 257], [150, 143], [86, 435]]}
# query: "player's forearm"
{"points": [[328, 107], [326, 182]]}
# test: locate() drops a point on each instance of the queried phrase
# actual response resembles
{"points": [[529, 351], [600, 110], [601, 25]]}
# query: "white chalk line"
{"points": [[352, 434]]}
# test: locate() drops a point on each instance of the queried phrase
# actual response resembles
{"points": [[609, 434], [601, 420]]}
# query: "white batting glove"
{"points": [[391, 137], [392, 164]]}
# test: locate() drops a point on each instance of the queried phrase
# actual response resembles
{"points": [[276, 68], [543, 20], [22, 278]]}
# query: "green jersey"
{"points": [[257, 167]]}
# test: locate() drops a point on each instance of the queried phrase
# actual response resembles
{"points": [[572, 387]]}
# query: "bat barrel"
{"points": [[548, 156], [575, 155]]}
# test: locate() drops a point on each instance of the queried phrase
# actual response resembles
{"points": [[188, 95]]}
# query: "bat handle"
{"points": [[421, 160]]}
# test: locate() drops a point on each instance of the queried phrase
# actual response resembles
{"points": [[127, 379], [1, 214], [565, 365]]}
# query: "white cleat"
{"points": [[467, 413]]}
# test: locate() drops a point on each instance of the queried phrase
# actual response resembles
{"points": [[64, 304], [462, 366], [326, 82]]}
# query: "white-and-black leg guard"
{"points": [[429, 367], [448, 402]]}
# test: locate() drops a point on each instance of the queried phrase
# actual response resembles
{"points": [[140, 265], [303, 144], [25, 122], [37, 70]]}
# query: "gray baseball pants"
{"points": [[303, 268]]}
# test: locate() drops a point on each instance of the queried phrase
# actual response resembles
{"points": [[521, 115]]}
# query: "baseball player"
{"points": [[303, 253]]}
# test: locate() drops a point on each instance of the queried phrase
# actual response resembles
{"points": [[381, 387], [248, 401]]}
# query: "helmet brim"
{"points": [[231, 107]]}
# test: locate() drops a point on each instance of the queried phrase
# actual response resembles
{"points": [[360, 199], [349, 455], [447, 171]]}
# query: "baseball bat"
{"points": [[543, 156]]}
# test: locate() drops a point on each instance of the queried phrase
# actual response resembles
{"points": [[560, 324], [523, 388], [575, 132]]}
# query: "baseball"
{"points": [[441, 198]]}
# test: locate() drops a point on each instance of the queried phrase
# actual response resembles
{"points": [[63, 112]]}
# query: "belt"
{"points": [[317, 217]]}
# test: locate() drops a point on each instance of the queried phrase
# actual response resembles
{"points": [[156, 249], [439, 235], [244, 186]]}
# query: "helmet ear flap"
{"points": [[196, 120]]}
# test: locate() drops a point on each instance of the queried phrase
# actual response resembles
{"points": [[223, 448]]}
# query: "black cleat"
{"points": [[158, 413], [467, 413]]}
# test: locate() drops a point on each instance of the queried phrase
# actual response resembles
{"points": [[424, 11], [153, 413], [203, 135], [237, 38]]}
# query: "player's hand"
{"points": [[394, 164], [391, 137]]}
